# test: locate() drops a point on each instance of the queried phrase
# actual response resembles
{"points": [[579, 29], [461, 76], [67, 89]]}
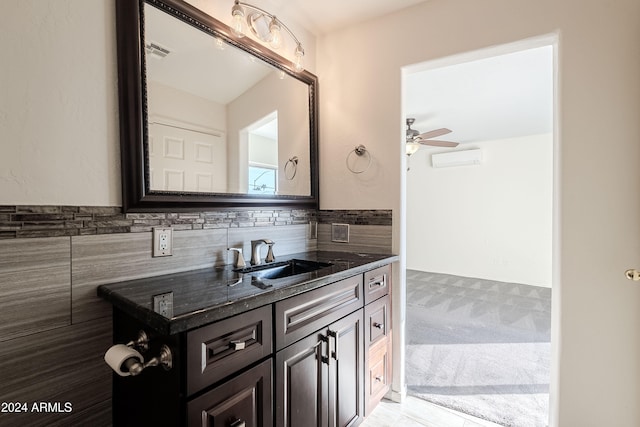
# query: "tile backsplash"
{"points": [[52, 259], [53, 221]]}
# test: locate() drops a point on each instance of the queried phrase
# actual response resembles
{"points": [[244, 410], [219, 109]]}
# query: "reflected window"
{"points": [[262, 179], [263, 156]]}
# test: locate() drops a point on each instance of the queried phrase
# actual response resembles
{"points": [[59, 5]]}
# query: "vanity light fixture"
{"points": [[266, 27]]}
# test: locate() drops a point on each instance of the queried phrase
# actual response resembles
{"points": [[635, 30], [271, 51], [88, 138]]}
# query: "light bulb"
{"points": [[276, 34], [237, 20], [298, 64]]}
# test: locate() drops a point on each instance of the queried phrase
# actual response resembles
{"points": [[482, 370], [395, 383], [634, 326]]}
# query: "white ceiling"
{"points": [[500, 97], [323, 16], [494, 98]]}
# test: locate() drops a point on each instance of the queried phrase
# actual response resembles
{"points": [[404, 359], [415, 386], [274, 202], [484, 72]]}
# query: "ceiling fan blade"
{"points": [[434, 133], [436, 143]]}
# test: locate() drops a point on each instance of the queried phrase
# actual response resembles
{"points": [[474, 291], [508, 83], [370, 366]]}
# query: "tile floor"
{"points": [[414, 412]]}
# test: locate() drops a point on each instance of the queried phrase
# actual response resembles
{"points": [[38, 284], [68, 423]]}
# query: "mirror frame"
{"points": [[136, 194]]}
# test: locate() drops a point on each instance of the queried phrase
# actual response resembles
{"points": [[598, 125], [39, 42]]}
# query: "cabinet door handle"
{"points": [[379, 379], [238, 423], [334, 335], [324, 359], [237, 345], [378, 325]]}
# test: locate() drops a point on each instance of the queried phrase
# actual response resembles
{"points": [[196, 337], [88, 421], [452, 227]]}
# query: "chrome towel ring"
{"points": [[360, 151], [291, 168]]}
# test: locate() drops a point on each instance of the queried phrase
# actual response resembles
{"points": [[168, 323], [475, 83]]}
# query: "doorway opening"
{"points": [[480, 234]]}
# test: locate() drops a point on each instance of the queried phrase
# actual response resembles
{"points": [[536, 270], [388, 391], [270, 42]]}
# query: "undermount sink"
{"points": [[278, 270]]}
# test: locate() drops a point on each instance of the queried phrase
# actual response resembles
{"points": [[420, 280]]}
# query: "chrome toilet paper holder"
{"points": [[141, 342], [134, 364], [164, 359]]}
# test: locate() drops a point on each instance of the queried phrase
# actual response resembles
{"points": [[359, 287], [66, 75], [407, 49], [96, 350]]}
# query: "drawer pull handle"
{"points": [[238, 423], [379, 379], [237, 345], [378, 325], [378, 282]]}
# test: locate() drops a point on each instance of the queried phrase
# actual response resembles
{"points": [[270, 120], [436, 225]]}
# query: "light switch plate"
{"points": [[162, 241], [340, 233]]}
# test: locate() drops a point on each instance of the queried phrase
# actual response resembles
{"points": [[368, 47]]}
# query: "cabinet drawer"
{"points": [[377, 283], [377, 316], [378, 376], [242, 401], [218, 350], [298, 316]]}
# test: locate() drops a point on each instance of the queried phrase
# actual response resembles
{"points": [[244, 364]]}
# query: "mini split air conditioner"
{"points": [[456, 158]]}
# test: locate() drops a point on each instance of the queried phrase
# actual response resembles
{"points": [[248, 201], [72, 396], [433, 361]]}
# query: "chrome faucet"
{"points": [[239, 263], [255, 251]]}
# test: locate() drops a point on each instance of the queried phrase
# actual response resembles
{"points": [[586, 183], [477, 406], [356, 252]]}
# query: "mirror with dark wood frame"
{"points": [[208, 120]]}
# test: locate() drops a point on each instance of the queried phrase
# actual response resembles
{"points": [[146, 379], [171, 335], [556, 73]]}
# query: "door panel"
{"points": [[302, 384], [346, 367]]}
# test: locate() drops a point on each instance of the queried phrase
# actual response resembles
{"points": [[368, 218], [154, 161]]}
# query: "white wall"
{"points": [[58, 103], [596, 310], [59, 126], [490, 221]]}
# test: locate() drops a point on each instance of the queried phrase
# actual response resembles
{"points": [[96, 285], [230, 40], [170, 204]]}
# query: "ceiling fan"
{"points": [[413, 136]]}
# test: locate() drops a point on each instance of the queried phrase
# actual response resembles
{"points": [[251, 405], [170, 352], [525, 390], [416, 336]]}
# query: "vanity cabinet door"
{"points": [[346, 371], [244, 401], [319, 379], [302, 383]]}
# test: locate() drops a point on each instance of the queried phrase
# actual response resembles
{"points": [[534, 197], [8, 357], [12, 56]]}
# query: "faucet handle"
{"points": [[270, 257], [239, 263]]}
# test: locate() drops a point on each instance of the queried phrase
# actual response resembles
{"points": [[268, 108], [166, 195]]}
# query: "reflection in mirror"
{"points": [[219, 120]]}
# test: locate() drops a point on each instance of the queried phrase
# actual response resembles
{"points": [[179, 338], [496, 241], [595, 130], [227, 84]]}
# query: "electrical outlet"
{"points": [[162, 241], [163, 304]]}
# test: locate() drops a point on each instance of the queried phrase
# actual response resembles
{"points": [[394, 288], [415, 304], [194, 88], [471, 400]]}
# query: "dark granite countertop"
{"points": [[206, 295]]}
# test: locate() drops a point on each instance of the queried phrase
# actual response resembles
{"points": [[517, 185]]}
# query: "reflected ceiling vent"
{"points": [[154, 50]]}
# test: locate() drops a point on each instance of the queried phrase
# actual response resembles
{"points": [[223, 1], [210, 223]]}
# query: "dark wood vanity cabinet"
{"points": [[320, 362], [377, 324], [319, 358], [221, 375]]}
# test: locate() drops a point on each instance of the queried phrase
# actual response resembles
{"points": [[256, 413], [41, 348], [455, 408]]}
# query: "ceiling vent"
{"points": [[154, 50]]}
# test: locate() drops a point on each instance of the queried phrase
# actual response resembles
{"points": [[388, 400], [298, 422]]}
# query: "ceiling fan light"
{"points": [[411, 148]]}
